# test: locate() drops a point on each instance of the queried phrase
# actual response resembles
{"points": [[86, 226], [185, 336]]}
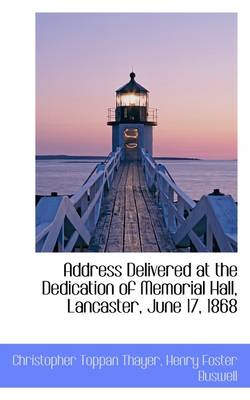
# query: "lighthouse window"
{"points": [[131, 145], [130, 99], [118, 100], [143, 100], [131, 133]]}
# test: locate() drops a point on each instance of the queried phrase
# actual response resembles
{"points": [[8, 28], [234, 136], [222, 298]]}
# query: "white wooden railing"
{"points": [[65, 223], [208, 225]]}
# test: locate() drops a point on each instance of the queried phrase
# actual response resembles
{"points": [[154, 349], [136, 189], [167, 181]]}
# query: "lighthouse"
{"points": [[132, 120]]}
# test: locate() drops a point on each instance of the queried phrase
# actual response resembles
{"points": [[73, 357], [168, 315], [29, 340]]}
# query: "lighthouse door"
{"points": [[131, 144]]}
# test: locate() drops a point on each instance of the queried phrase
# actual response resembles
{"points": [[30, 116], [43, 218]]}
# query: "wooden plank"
{"points": [[116, 230], [164, 240], [99, 240], [130, 219], [131, 234], [147, 234]]}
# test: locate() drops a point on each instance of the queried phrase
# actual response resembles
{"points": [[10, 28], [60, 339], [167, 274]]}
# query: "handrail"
{"points": [[94, 170], [64, 223], [205, 226]]}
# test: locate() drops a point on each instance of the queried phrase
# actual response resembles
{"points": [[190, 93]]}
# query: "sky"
{"points": [[187, 61]]}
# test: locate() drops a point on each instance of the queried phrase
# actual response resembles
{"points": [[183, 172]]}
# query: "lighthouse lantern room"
{"points": [[132, 120]]}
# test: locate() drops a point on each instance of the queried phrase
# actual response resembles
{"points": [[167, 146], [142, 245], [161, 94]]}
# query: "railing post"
{"points": [[84, 203], [93, 217], [166, 198], [60, 240], [180, 206], [209, 237], [97, 207], [159, 183], [171, 216]]}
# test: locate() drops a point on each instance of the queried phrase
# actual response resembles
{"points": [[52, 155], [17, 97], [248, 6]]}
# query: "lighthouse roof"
{"points": [[132, 86]]}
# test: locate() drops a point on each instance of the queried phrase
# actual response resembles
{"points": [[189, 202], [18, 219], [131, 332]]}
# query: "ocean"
{"points": [[195, 177]]}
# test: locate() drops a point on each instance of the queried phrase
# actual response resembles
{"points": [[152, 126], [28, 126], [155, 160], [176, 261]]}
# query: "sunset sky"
{"points": [[188, 62]]}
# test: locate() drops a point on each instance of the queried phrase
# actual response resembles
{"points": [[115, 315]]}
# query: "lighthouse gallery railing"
{"points": [[64, 223], [205, 226]]}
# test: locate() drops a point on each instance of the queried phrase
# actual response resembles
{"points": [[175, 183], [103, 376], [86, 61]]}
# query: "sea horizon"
{"points": [[97, 157]]}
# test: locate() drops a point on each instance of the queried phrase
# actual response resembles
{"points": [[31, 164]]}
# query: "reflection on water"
{"points": [[194, 177]]}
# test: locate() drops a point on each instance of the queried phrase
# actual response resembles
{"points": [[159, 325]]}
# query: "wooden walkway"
{"points": [[130, 220]]}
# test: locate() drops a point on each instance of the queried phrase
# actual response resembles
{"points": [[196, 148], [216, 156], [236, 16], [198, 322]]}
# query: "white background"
{"points": [[26, 316]]}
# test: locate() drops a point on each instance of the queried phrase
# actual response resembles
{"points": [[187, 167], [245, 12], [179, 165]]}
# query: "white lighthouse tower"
{"points": [[132, 120]]}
